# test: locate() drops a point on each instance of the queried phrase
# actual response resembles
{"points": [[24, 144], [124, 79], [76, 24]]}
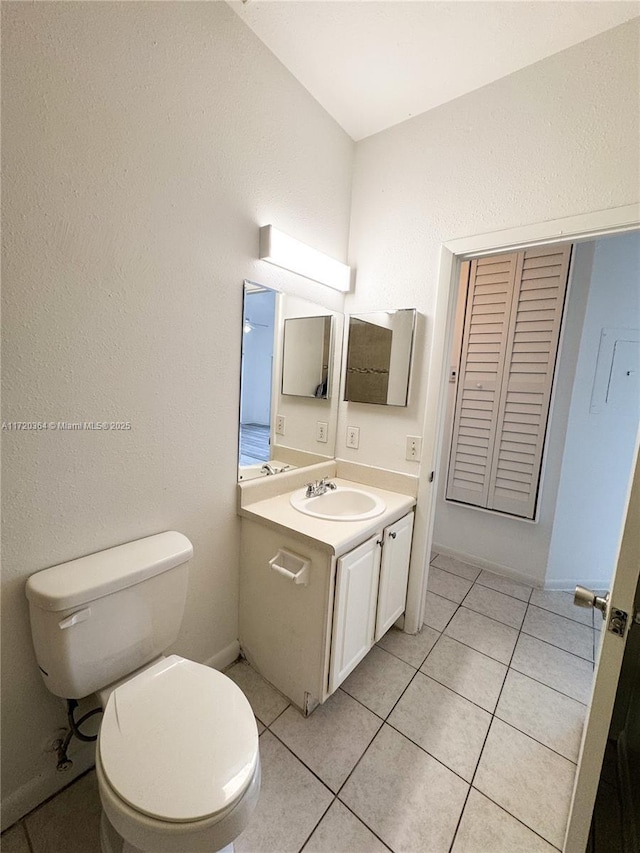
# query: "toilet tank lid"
{"points": [[96, 575]]}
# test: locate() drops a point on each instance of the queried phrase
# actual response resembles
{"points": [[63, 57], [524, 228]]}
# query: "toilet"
{"points": [[177, 757]]}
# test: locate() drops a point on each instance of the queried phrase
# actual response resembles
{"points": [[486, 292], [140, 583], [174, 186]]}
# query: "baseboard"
{"points": [[496, 568], [46, 784], [569, 584], [224, 657], [558, 585]]}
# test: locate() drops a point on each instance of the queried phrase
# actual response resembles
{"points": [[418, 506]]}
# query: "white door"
{"points": [[622, 594], [354, 609], [394, 572]]}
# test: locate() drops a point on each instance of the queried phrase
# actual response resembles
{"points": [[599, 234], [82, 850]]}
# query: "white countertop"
{"points": [[338, 536]]}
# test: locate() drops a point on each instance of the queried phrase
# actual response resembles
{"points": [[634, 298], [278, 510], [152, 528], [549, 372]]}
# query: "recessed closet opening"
{"points": [[541, 411]]}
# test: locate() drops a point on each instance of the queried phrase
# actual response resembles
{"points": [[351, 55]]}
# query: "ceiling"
{"points": [[373, 64]]}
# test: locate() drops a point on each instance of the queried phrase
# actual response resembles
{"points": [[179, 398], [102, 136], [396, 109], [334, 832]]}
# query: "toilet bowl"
{"points": [[177, 761], [177, 756]]}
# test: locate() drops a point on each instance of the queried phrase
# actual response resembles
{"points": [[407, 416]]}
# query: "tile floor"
{"points": [[462, 739]]}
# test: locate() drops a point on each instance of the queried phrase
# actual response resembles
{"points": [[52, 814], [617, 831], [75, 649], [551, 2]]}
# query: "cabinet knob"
{"points": [[392, 535], [379, 542]]}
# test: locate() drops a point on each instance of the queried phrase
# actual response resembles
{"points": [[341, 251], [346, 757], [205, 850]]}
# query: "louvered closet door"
{"points": [[534, 329], [484, 343]]}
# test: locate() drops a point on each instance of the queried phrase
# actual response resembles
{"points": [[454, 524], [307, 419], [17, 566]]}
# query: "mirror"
{"points": [[290, 373], [306, 354], [379, 357]]}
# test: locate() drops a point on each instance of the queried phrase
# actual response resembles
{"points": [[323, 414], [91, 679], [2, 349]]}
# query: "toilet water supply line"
{"points": [[61, 746]]}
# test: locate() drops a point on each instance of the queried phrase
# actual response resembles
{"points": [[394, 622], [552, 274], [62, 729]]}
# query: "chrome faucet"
{"points": [[319, 487], [267, 469]]}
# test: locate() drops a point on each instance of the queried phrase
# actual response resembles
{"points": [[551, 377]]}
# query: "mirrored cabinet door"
{"points": [[379, 354]]}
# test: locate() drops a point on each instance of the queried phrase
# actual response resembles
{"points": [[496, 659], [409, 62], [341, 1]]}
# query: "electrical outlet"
{"points": [[280, 424], [322, 430], [353, 437], [414, 448]]}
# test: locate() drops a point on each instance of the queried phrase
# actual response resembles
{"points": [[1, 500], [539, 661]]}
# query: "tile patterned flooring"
{"points": [[462, 739]]}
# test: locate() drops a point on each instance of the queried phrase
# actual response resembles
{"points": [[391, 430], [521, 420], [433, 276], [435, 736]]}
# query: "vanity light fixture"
{"points": [[290, 254]]}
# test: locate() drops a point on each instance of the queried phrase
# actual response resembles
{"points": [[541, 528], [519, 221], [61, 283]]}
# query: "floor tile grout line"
{"points": [[549, 643], [497, 660], [521, 822], [403, 692], [502, 622], [32, 811], [555, 613], [316, 825], [393, 654], [493, 718], [28, 836], [546, 642], [473, 776], [364, 752], [364, 823], [548, 686], [464, 805], [493, 619], [484, 743], [355, 698], [510, 665], [305, 765], [519, 630], [277, 717], [455, 692], [497, 592], [477, 581], [531, 737], [562, 616], [446, 623], [426, 752]]}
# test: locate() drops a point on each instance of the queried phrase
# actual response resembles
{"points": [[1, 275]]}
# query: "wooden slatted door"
{"points": [[513, 315], [484, 344], [532, 345]]}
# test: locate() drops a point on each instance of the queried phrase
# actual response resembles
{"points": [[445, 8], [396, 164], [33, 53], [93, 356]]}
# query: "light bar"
{"points": [[290, 254]]}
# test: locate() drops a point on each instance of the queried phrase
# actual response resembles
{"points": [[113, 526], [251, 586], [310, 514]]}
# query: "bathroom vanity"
{"points": [[317, 593]]}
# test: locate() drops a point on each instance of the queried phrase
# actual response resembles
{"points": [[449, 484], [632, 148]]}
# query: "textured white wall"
{"points": [[599, 447], [556, 139], [143, 145]]}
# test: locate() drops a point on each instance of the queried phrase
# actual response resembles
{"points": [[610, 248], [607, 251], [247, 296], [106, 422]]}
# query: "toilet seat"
{"points": [[179, 742]]}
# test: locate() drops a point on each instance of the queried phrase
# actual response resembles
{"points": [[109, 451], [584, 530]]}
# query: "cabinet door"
{"points": [[394, 573], [354, 609]]}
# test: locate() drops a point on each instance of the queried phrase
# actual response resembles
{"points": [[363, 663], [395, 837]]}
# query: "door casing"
{"points": [[574, 229]]}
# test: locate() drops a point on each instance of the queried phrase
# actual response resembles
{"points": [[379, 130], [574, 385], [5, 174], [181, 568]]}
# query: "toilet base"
{"points": [[112, 842]]}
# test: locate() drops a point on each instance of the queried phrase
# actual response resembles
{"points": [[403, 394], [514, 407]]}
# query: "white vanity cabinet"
{"points": [[306, 635], [370, 594]]}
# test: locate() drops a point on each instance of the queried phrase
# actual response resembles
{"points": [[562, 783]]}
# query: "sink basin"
{"points": [[341, 504]]}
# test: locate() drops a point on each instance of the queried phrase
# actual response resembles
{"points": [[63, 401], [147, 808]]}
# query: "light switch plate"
{"points": [[353, 437]]}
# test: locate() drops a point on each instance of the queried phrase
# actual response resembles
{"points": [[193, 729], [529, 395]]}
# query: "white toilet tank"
{"points": [[97, 619]]}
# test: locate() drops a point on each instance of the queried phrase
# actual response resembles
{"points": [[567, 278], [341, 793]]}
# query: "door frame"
{"points": [[586, 226]]}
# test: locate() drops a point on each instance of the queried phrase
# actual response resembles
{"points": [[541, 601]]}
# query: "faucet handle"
{"points": [[326, 483], [310, 489]]}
